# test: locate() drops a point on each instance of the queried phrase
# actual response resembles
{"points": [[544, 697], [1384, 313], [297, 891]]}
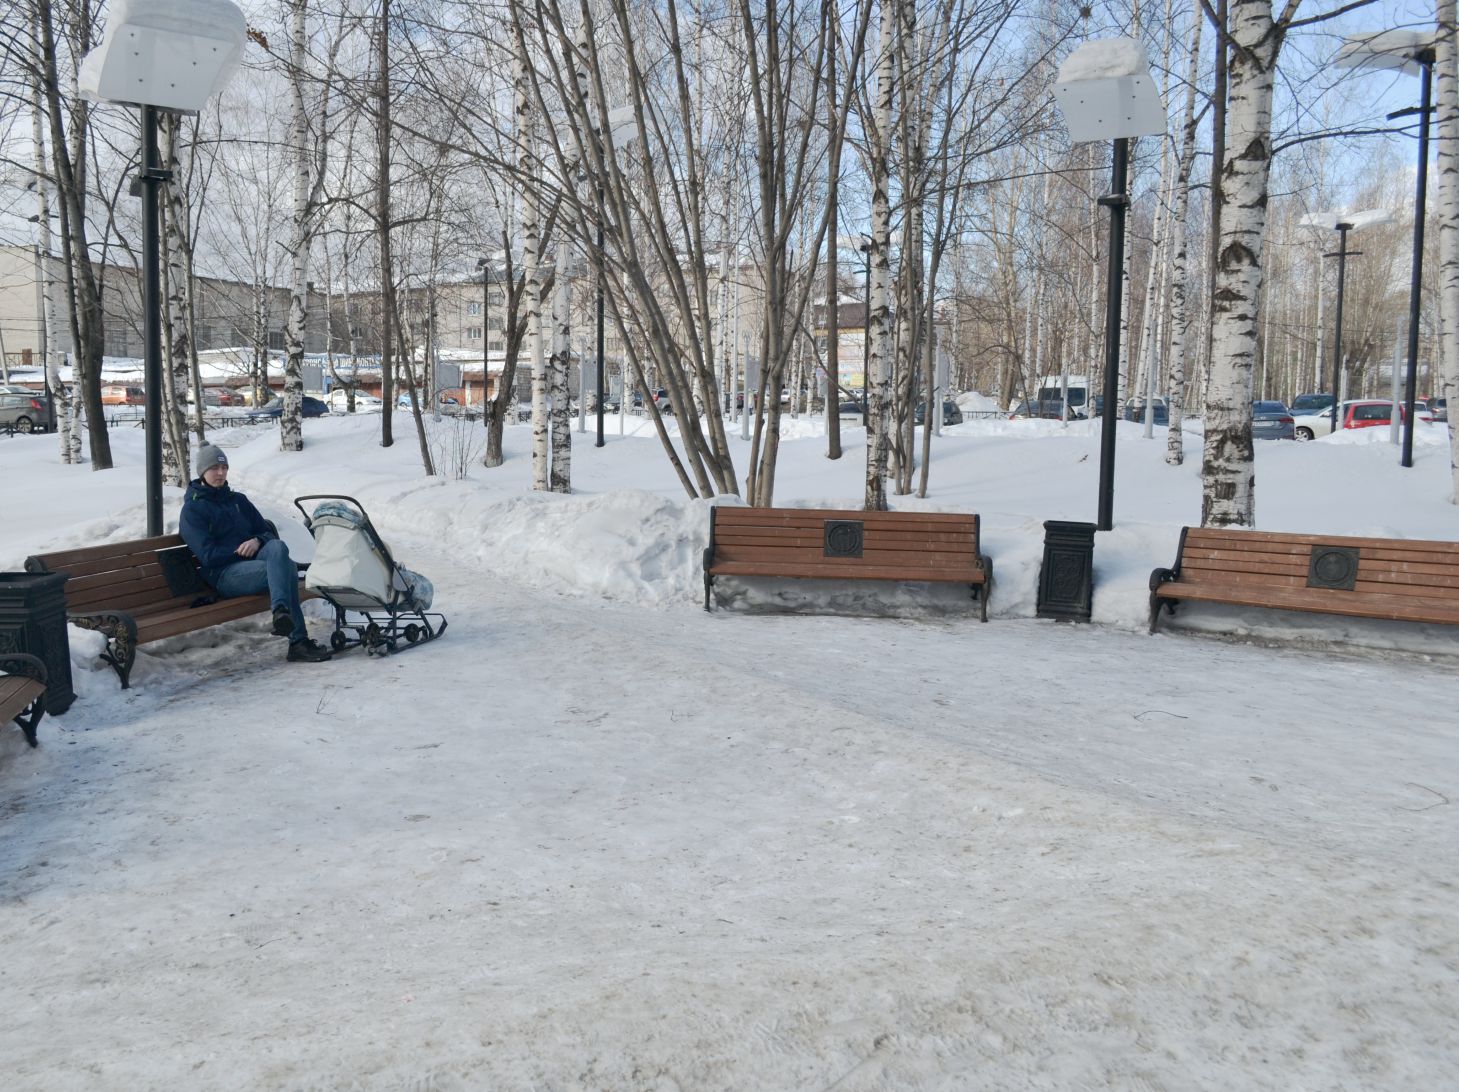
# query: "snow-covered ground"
{"points": [[595, 838]]}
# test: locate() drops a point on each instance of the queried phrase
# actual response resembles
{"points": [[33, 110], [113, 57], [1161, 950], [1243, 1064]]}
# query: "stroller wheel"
{"points": [[412, 633], [337, 640]]}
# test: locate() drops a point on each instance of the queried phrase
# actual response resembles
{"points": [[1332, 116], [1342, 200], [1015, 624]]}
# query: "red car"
{"points": [[1369, 414]]}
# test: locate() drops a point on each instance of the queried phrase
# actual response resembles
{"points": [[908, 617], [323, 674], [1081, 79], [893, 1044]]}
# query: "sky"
{"points": [[843, 836]]}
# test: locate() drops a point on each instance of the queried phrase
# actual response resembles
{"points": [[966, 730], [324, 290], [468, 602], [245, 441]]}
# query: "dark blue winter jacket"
{"points": [[214, 522]]}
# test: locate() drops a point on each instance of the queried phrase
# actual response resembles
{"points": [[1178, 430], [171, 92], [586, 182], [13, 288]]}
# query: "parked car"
{"points": [[313, 407], [339, 401], [1272, 421], [1135, 411], [217, 397], [951, 415], [1305, 404], [1440, 408], [1049, 409], [1359, 413], [850, 412], [119, 394], [30, 412]]}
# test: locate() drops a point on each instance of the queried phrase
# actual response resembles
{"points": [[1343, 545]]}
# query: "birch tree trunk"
{"points": [[878, 378], [1174, 439], [383, 217], [291, 433], [1228, 475], [560, 477], [177, 273], [1446, 75], [70, 439], [69, 160]]}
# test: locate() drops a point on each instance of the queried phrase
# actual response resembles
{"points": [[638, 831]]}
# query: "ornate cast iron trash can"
{"points": [[33, 620], [1066, 579]]}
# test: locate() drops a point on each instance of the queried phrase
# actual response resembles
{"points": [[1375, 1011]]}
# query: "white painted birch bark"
{"points": [[878, 379], [1446, 75], [177, 303], [560, 479], [1227, 472], [62, 399], [1179, 321], [291, 434]]}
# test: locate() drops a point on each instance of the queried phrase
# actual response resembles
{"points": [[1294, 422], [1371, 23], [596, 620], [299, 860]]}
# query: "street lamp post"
{"points": [[484, 264], [1411, 52], [160, 55], [1342, 223], [1105, 92]]}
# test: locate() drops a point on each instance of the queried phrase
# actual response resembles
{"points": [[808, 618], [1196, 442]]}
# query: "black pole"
{"points": [[1342, 267], [151, 178], [865, 337], [1415, 286], [486, 337], [1116, 201], [599, 442]]}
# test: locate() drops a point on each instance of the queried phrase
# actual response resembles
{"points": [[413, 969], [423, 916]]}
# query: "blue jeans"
{"points": [[270, 570]]}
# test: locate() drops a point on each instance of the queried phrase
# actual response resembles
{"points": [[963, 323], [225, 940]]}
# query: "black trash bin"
{"points": [[1066, 579], [33, 620]]}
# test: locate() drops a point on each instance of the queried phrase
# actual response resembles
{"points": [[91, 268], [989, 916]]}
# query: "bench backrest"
{"points": [[844, 538], [123, 575], [1291, 562]]}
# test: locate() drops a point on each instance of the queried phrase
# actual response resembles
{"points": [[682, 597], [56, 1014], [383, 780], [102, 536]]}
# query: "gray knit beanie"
{"points": [[209, 455]]}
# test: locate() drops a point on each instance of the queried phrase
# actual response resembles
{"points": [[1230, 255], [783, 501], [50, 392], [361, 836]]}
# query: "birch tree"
{"points": [[179, 351], [1446, 73], [1179, 319], [1227, 473]]}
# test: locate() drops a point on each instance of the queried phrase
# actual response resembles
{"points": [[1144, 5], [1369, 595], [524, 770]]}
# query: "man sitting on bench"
{"points": [[240, 554]]}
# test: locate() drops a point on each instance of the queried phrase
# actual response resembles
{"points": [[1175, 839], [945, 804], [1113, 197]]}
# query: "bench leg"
{"points": [[708, 591], [30, 717], [121, 641]]}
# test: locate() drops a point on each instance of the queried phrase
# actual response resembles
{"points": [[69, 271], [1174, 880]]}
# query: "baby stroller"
{"points": [[353, 570]]}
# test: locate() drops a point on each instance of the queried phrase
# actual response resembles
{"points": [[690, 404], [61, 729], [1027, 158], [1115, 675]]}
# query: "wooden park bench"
{"points": [[821, 544], [1407, 580], [141, 591], [22, 692]]}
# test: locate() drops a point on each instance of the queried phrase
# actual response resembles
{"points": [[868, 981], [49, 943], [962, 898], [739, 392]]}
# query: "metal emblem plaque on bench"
{"points": [[1334, 567], [843, 537]]}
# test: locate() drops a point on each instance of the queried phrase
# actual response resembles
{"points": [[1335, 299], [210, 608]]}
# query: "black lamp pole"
{"points": [[1342, 267], [599, 442], [1116, 201], [484, 264], [150, 181], [1425, 59]]}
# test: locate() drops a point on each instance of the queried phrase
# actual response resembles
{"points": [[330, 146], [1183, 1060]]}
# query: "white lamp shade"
{"points": [[1104, 91], [174, 54], [1385, 49], [1329, 221]]}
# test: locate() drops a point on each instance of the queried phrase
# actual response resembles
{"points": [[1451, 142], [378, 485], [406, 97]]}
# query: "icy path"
{"points": [[577, 845]]}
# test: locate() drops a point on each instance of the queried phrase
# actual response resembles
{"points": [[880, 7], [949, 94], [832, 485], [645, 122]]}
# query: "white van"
{"points": [[1051, 389]]}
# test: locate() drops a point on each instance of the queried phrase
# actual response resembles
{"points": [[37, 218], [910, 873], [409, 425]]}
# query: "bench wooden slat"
{"points": [[16, 692], [920, 547], [58, 562], [859, 572], [1356, 604], [1412, 580]]}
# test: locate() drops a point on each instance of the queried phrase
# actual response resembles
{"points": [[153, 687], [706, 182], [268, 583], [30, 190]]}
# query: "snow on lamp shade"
{"points": [[174, 54], [1104, 91], [1390, 49]]}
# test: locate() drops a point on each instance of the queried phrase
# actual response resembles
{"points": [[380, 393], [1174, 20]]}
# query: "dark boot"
{"points": [[308, 651], [283, 622]]}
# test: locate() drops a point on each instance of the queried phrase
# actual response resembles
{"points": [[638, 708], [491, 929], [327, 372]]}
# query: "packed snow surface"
{"points": [[596, 838]]}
